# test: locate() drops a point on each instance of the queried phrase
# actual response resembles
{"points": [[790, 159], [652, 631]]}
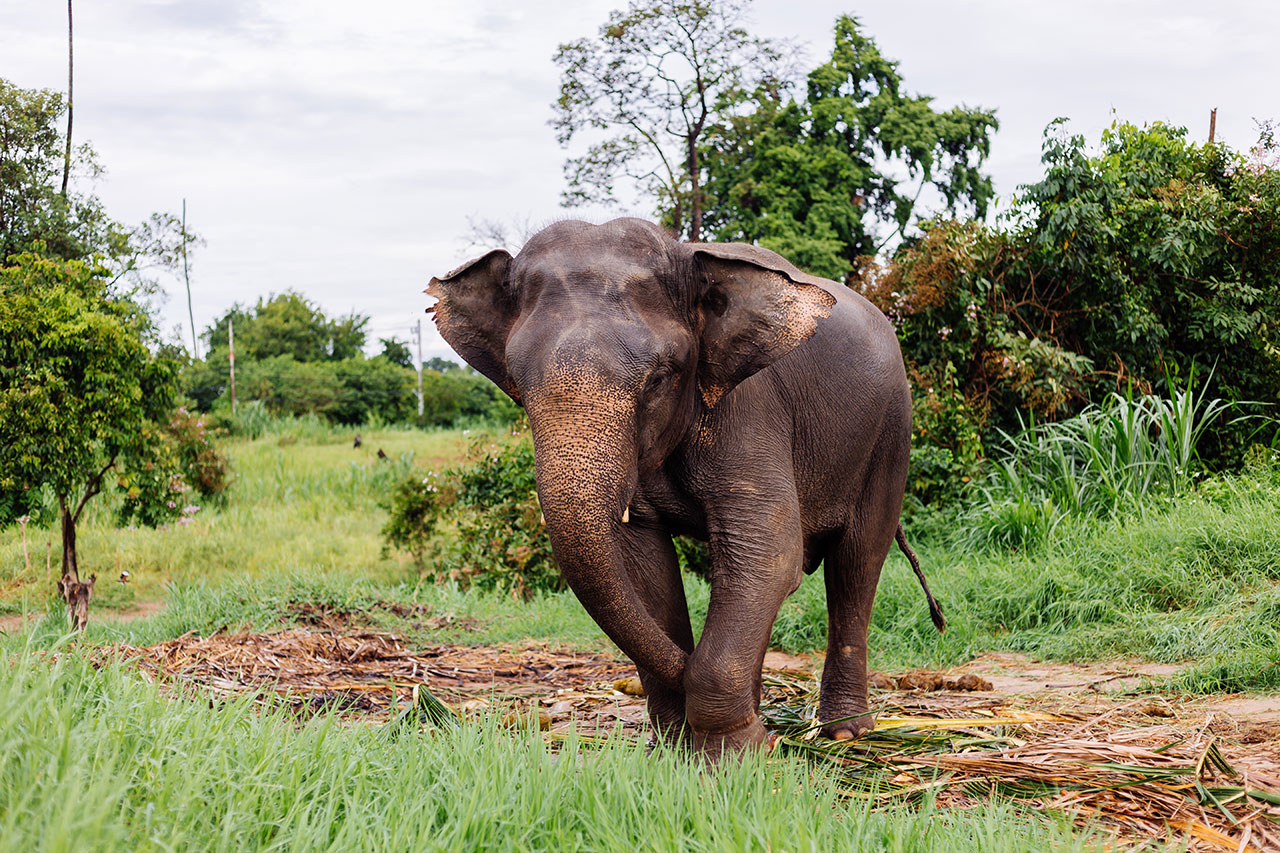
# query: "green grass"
{"points": [[301, 499], [1192, 580], [95, 759]]}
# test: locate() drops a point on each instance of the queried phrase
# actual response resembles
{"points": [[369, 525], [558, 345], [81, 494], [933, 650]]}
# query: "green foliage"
{"points": [[296, 362], [479, 523], [1111, 458], [34, 216], [1165, 252], [1123, 267], [80, 391], [181, 459], [288, 324], [416, 506], [500, 540], [37, 217], [816, 179], [396, 352], [946, 448]]}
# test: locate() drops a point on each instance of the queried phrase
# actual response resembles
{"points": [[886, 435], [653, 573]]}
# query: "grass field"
{"points": [[96, 758]]}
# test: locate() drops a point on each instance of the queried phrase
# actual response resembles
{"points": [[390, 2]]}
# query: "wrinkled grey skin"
{"points": [[705, 389]]}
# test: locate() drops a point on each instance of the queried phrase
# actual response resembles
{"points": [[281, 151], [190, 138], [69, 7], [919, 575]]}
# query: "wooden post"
{"points": [[231, 354], [186, 276], [1213, 123]]}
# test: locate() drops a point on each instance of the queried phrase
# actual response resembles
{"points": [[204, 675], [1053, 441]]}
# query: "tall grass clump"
{"points": [[1111, 459]]}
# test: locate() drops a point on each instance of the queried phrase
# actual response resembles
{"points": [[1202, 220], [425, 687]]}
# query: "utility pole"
{"points": [[231, 346], [186, 275], [1213, 123], [417, 330], [66, 159]]}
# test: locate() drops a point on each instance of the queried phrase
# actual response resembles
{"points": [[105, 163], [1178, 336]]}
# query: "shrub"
{"points": [[498, 541], [1143, 257], [479, 524]]}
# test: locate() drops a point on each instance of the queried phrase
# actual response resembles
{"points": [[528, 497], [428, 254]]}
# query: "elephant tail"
{"points": [[935, 612]]}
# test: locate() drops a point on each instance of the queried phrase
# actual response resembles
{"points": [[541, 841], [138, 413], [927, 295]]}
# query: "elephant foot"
{"points": [[713, 746], [848, 726]]}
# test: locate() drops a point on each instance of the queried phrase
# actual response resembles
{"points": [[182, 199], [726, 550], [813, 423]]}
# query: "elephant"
{"points": [[706, 389]]}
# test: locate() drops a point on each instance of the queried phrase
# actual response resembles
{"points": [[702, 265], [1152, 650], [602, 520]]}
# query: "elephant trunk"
{"points": [[585, 453]]}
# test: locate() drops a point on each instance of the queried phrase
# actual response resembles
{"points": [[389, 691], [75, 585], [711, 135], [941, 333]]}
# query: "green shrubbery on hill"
{"points": [[1120, 270]]}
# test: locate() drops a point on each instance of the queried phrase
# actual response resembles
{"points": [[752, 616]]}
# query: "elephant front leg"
{"points": [[755, 566], [654, 571]]}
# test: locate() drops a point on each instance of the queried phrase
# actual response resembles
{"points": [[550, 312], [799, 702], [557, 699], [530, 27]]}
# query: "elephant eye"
{"points": [[660, 374]]}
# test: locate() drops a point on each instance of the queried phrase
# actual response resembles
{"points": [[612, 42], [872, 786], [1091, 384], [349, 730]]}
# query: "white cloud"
{"points": [[338, 148]]}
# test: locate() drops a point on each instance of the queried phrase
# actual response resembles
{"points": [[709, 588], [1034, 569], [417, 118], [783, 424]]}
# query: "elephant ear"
{"points": [[757, 307], [475, 312]]}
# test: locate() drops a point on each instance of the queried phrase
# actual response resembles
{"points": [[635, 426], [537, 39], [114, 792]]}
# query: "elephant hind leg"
{"points": [[851, 573]]}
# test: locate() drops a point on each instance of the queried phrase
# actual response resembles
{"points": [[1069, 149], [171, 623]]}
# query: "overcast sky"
{"points": [[338, 148]]}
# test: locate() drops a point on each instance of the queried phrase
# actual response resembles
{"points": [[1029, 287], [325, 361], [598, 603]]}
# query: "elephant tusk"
{"points": [[542, 518], [626, 515]]}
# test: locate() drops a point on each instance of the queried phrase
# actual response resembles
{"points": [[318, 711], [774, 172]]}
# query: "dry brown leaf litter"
{"points": [[1145, 767]]}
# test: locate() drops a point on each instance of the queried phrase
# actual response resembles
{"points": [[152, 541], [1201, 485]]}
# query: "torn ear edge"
{"points": [[474, 314]]}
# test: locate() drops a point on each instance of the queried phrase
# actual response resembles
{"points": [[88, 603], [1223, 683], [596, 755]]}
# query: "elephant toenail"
{"points": [[843, 734]]}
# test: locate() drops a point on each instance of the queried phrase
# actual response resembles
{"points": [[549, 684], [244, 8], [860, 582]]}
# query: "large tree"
{"points": [[843, 172], [646, 90]]}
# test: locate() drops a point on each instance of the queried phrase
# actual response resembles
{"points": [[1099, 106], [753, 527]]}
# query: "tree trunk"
{"points": [[695, 193], [75, 592], [69, 567]]}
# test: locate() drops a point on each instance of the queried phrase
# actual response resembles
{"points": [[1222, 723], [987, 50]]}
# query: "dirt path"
{"points": [[14, 623]]}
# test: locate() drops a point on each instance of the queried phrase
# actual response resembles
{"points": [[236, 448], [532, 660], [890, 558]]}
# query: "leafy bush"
{"points": [[480, 525], [502, 540], [415, 508], [498, 538], [1146, 256], [180, 459], [351, 391]]}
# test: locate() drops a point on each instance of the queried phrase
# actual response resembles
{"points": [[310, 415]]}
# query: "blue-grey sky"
{"points": [[338, 148]]}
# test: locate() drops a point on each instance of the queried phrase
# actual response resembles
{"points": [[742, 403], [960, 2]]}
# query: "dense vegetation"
{"points": [[292, 359]]}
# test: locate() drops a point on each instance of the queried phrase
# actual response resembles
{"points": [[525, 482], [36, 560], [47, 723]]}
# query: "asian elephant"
{"points": [[707, 389]]}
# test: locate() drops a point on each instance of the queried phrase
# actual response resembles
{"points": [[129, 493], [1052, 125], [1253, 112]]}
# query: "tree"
{"points": [[82, 395], [647, 89], [32, 210], [396, 352], [841, 174], [289, 324], [1145, 259], [440, 365]]}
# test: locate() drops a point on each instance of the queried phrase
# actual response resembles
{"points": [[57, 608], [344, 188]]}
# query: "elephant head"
{"points": [[616, 339]]}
